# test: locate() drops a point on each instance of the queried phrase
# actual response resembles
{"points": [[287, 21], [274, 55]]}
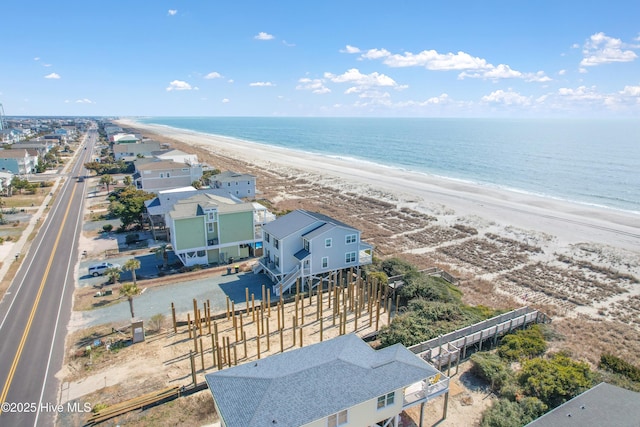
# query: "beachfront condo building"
{"points": [[309, 246], [213, 229], [338, 382]]}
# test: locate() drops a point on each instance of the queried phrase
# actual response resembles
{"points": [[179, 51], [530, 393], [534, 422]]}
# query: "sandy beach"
{"points": [[508, 247], [447, 199]]}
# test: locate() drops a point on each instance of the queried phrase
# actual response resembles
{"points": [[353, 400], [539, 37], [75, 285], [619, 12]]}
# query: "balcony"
{"points": [[212, 242], [425, 390]]}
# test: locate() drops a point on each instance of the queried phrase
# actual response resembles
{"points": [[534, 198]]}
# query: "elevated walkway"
{"points": [[445, 349]]}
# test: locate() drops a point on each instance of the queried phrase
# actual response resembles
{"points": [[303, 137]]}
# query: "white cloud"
{"points": [[631, 91], [580, 93], [261, 84], [225, 100], [355, 76], [350, 49], [602, 49], [172, 12], [213, 75], [284, 42], [37, 58], [431, 60], [376, 54], [230, 81], [562, 72], [46, 65], [179, 85], [263, 36], [314, 85], [84, 101], [507, 98], [52, 76]]}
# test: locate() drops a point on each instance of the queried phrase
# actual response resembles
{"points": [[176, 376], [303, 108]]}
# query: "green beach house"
{"points": [[214, 229]]}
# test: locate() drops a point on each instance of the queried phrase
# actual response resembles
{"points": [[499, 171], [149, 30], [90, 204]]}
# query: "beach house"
{"points": [[154, 175], [129, 152], [309, 246], [212, 229], [18, 161], [239, 184], [339, 382]]}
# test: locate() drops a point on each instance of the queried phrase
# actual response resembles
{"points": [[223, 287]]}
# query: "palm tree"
{"points": [[162, 252], [132, 265], [130, 290], [113, 273], [127, 180], [107, 180]]}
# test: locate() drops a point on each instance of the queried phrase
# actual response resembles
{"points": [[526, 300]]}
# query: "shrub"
{"points": [[617, 365], [555, 380], [526, 343], [107, 228], [492, 369], [506, 413], [429, 288]]}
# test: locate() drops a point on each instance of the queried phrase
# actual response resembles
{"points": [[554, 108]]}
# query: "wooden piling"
{"points": [[173, 316], [193, 368], [189, 324], [201, 353]]}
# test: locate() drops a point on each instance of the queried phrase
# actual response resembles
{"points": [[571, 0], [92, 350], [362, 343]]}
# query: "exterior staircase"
{"points": [[287, 281]]}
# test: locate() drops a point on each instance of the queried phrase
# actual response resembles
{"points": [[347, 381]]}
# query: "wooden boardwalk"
{"points": [[450, 348]]}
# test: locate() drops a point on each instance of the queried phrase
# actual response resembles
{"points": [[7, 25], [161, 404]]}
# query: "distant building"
{"points": [[158, 175], [339, 382], [242, 185], [130, 152], [18, 161]]}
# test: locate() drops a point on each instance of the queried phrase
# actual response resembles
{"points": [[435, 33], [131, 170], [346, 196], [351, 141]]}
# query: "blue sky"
{"points": [[331, 58]]}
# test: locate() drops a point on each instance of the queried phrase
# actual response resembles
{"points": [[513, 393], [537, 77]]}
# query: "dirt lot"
{"points": [[591, 298]]}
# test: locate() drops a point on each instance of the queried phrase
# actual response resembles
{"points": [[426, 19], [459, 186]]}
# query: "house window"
{"points": [[325, 262], [328, 242], [210, 227], [338, 419], [276, 243], [350, 238], [386, 400], [305, 244], [350, 257], [168, 175], [161, 175], [276, 260], [228, 184], [266, 237]]}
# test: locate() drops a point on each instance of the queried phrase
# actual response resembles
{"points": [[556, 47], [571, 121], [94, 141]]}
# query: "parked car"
{"points": [[99, 269]]}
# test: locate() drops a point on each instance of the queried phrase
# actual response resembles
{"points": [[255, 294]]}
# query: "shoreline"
{"points": [[401, 168], [570, 222]]}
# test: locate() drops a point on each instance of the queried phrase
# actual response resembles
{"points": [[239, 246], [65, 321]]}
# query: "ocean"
{"points": [[594, 162]]}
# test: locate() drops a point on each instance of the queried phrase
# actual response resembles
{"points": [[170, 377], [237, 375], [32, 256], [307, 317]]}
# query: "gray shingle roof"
{"points": [[602, 405], [307, 384], [297, 220]]}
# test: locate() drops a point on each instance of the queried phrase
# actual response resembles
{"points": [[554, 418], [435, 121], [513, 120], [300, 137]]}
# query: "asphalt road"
{"points": [[36, 309]]}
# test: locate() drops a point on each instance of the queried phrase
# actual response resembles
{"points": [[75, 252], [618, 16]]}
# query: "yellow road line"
{"points": [[16, 359]]}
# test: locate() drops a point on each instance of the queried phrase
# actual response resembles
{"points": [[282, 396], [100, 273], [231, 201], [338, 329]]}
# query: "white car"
{"points": [[99, 269]]}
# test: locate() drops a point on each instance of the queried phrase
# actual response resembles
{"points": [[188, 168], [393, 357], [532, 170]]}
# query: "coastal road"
{"points": [[35, 310]]}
